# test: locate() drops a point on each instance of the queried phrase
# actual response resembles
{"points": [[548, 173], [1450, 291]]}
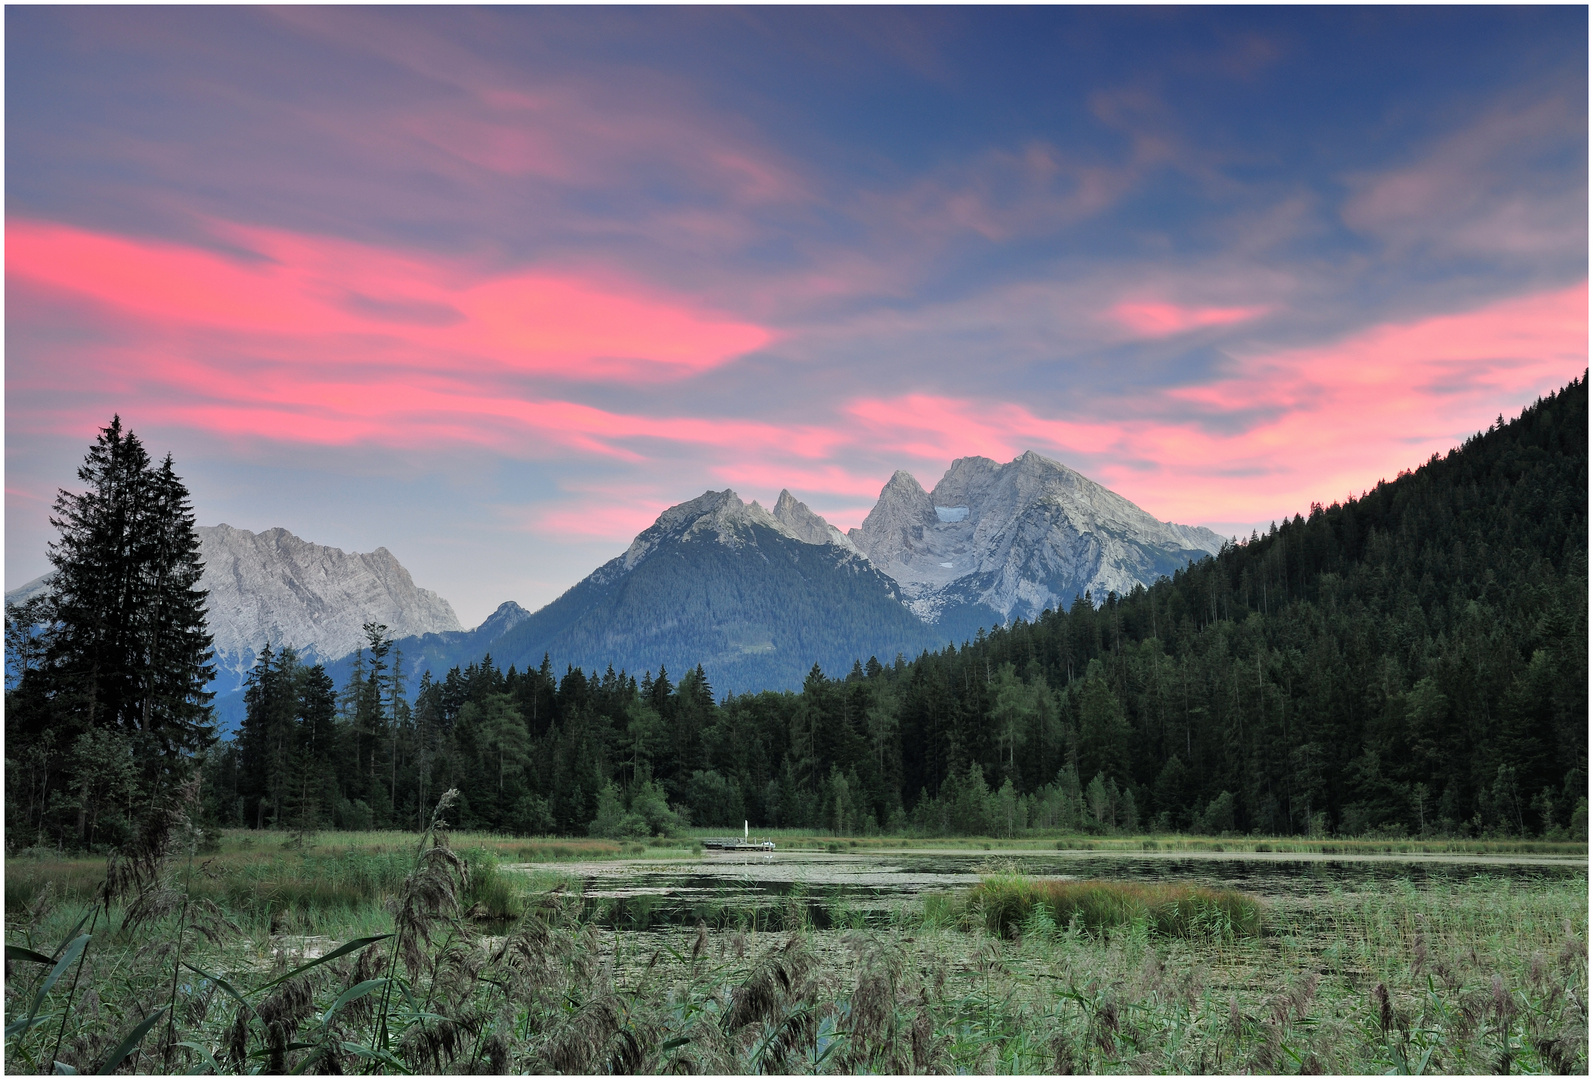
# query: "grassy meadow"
{"points": [[342, 952]]}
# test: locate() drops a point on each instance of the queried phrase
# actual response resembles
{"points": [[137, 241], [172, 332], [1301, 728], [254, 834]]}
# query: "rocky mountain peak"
{"points": [[967, 473], [806, 525], [721, 513], [686, 514], [274, 587], [896, 523], [508, 615], [1009, 540], [903, 485]]}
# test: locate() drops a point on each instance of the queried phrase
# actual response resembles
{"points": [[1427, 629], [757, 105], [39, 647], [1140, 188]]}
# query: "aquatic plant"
{"points": [[1005, 904]]}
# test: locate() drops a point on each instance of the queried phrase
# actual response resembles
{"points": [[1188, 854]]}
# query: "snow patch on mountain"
{"points": [[1017, 538]]}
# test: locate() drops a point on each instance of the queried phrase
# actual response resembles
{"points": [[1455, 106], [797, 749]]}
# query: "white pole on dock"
{"points": [[746, 831]]}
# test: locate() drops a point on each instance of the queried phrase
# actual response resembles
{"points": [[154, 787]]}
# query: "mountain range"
{"points": [[755, 596], [272, 587]]}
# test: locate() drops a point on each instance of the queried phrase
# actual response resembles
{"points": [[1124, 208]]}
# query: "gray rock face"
{"points": [[808, 526], [508, 616], [728, 585], [274, 587], [1011, 540]]}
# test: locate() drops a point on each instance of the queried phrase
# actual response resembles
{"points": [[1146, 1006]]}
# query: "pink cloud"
{"points": [[331, 343], [1154, 319], [593, 518], [313, 297], [1337, 417], [328, 343]]}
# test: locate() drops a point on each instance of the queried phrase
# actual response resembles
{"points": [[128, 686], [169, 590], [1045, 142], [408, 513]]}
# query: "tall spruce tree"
{"points": [[125, 650]]}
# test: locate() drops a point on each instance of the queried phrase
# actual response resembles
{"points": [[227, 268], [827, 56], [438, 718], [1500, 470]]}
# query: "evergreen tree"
{"points": [[123, 647], [1413, 661]]}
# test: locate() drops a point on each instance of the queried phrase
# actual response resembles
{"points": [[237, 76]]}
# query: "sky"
{"points": [[494, 287]]}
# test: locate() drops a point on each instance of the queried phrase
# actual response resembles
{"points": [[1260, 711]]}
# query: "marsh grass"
{"points": [[1007, 904], [1172, 843], [314, 886], [505, 971]]}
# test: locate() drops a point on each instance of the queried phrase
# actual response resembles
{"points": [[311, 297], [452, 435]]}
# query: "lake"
{"points": [[734, 888]]}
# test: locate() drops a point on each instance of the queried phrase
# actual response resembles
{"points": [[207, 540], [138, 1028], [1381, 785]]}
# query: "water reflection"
{"points": [[826, 890]]}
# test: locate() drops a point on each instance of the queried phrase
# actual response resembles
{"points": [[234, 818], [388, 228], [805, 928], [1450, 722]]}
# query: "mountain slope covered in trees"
{"points": [[1413, 661], [715, 582]]}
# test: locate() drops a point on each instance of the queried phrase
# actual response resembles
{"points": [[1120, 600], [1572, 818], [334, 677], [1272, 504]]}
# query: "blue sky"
{"points": [[493, 287]]}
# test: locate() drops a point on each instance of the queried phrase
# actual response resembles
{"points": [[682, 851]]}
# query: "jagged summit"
{"points": [[507, 616], [719, 513], [897, 521], [806, 525], [996, 542], [271, 586], [755, 597], [727, 519]]}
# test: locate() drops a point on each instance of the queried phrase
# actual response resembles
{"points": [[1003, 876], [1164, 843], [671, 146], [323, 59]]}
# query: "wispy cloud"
{"points": [[1154, 319], [602, 259], [311, 302], [1330, 419], [1475, 191]]}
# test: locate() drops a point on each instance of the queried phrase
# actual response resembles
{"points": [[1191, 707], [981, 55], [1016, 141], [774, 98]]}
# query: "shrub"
{"points": [[492, 893], [354, 816], [1004, 904]]}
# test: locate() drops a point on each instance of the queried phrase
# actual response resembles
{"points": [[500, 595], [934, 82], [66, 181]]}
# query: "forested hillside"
{"points": [[1412, 661]]}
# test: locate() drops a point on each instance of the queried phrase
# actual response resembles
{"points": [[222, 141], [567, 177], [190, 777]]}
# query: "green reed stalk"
{"points": [[71, 994], [380, 1032], [177, 963]]}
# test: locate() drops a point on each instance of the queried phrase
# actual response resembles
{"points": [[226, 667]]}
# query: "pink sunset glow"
{"points": [[1154, 319], [522, 277], [308, 297], [329, 343], [1339, 416]]}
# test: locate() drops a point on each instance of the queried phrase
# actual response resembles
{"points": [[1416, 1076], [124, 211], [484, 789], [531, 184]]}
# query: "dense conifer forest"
{"points": [[1410, 662]]}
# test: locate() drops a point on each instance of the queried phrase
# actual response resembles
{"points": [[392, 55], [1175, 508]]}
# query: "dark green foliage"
{"points": [[1008, 905], [1410, 662], [110, 704]]}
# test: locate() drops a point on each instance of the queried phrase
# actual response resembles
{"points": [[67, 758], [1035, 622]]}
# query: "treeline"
{"points": [[1410, 662]]}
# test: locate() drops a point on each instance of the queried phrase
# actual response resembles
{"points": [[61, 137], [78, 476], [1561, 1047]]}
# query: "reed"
{"points": [[442, 959], [1006, 904]]}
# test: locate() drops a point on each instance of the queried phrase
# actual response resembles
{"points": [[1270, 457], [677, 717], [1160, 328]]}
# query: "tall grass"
{"points": [[450, 962], [797, 839], [1006, 904]]}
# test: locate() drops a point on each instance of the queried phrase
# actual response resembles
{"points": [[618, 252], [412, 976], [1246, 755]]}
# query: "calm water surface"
{"points": [[731, 888]]}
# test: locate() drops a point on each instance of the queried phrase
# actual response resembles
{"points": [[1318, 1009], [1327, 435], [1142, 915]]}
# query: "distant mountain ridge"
{"points": [[992, 543], [733, 587], [755, 596], [273, 587]]}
